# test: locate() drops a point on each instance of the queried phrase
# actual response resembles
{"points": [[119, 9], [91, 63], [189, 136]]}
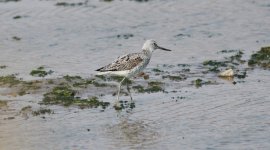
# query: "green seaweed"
{"points": [[3, 66], [65, 95], [10, 80], [71, 78], [50, 81], [157, 70], [17, 17], [227, 51], [97, 84], [10, 1], [83, 83], [261, 58], [183, 65], [155, 83], [102, 77], [200, 82], [241, 75], [29, 85], [65, 4], [16, 38], [153, 87], [40, 72], [3, 103], [42, 111], [174, 78], [78, 81], [125, 105], [139, 88], [214, 65], [237, 57], [26, 107], [60, 95], [124, 36]]}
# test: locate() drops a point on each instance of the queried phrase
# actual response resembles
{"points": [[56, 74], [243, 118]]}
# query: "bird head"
{"points": [[151, 45]]}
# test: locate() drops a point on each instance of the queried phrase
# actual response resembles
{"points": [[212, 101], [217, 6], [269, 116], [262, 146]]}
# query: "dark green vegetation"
{"points": [[237, 57], [17, 17], [78, 81], [65, 95], [42, 111], [9, 1], [40, 72], [200, 82], [3, 104], [29, 86], [27, 110], [9, 80], [125, 105], [3, 66], [261, 58], [125, 36], [65, 4], [214, 65], [16, 38], [153, 87], [229, 62], [110, 78], [22, 87], [156, 70], [174, 78]]}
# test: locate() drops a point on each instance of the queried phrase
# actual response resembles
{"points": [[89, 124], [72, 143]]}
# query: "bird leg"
{"points": [[128, 89], [119, 88]]}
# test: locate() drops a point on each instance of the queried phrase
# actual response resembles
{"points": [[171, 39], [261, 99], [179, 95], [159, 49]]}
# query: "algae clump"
{"points": [[40, 72], [10, 80], [153, 87], [261, 58], [65, 95]]}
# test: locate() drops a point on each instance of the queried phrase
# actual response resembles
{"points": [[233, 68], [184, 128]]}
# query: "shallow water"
{"points": [[76, 40]]}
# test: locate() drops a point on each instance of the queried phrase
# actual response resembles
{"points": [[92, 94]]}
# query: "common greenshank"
{"points": [[130, 65]]}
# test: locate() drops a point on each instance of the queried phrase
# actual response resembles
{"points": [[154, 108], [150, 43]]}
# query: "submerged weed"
{"points": [[101, 77], [65, 95], [200, 82], [3, 66], [3, 103], [65, 4], [157, 70], [261, 58], [71, 78], [174, 78], [153, 87], [40, 72], [42, 111], [125, 105], [10, 80]]}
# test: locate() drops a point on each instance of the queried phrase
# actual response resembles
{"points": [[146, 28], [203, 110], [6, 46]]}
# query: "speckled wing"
{"points": [[122, 63]]}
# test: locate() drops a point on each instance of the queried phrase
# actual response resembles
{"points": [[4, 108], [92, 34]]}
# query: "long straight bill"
{"points": [[165, 49]]}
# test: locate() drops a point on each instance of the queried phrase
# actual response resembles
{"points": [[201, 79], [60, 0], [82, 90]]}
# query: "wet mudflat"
{"points": [[50, 97]]}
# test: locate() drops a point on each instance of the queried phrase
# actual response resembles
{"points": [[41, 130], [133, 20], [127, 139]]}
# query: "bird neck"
{"points": [[147, 52]]}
